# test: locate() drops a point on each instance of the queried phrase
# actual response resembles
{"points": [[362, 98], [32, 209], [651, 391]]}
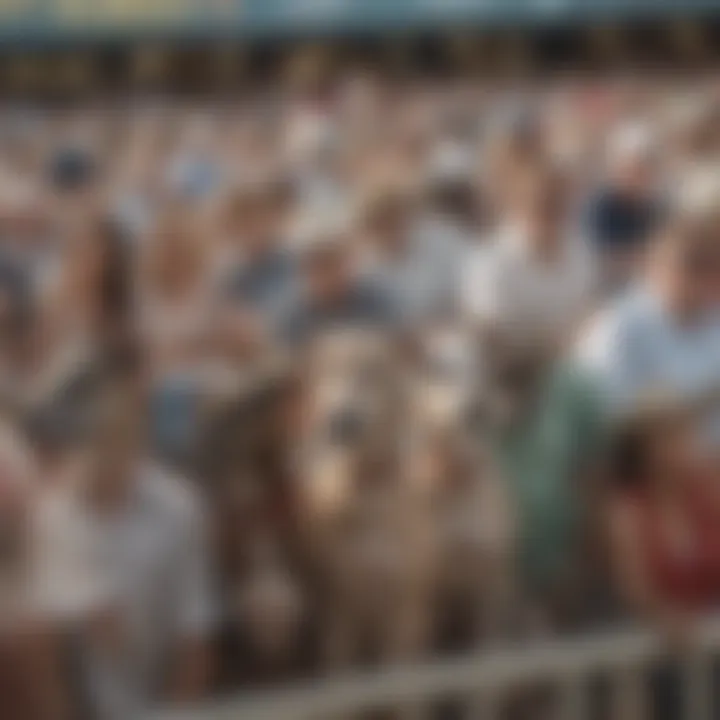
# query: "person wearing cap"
{"points": [[455, 195], [666, 332], [75, 182], [418, 263], [262, 271], [334, 290], [193, 172], [623, 213], [514, 140]]}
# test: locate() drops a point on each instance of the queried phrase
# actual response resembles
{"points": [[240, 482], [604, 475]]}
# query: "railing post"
{"points": [[484, 706], [573, 701], [628, 695], [697, 686]]}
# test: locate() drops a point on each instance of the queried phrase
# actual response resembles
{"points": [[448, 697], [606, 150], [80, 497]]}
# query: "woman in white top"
{"points": [[31, 682], [534, 284]]}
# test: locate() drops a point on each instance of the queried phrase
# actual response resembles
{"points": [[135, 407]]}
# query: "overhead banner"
{"points": [[53, 19]]}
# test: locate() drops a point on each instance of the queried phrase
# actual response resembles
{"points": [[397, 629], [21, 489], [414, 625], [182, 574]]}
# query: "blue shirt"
{"points": [[264, 284], [637, 349], [617, 222]]}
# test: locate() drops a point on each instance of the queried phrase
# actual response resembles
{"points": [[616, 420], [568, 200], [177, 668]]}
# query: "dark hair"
{"points": [[116, 330], [116, 274], [628, 458], [458, 198], [122, 360], [72, 169]]}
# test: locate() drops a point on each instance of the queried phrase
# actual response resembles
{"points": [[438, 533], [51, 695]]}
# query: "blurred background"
{"points": [[66, 47], [359, 359]]}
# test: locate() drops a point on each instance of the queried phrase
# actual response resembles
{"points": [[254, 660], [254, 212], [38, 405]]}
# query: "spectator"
{"points": [[457, 206], [663, 530], [176, 307], [91, 299], [662, 497], [418, 266], [550, 444], [176, 293], [122, 560], [261, 272], [534, 283], [623, 214], [193, 172], [665, 336], [32, 681], [333, 291]]}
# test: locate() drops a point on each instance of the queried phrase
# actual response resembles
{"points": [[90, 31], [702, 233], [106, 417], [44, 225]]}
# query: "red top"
{"points": [[684, 570], [18, 690]]}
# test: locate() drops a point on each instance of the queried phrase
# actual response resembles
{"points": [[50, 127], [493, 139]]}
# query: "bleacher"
{"points": [[65, 47]]}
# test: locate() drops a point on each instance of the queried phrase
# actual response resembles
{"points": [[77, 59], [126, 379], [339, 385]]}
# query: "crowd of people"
{"points": [[341, 375]]}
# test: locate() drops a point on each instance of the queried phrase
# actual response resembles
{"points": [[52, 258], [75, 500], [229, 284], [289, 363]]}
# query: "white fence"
{"points": [[484, 680]]}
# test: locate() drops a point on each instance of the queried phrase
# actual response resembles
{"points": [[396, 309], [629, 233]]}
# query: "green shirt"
{"points": [[543, 458]]}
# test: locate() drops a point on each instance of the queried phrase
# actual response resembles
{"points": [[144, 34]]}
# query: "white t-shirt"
{"points": [[17, 495], [147, 565], [636, 350], [422, 281], [535, 303]]}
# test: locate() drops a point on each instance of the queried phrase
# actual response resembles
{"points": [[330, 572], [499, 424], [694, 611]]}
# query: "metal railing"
{"points": [[484, 681]]}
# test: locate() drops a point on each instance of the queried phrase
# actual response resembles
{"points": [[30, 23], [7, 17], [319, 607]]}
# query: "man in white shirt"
{"points": [[664, 337], [532, 283], [31, 681], [417, 264], [121, 561]]}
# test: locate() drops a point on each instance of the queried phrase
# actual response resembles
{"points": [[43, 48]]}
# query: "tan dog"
{"points": [[369, 529]]}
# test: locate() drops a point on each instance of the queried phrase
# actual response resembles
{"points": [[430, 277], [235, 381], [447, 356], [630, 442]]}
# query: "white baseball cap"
{"points": [[631, 143], [322, 228]]}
